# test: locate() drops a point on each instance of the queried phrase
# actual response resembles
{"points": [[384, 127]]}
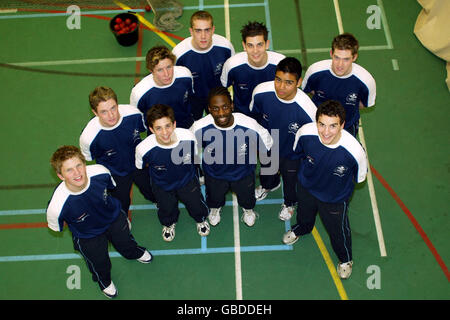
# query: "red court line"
{"points": [[23, 225], [414, 222], [138, 54], [50, 4]]}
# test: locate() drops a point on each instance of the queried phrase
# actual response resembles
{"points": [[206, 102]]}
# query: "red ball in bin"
{"points": [[125, 27]]}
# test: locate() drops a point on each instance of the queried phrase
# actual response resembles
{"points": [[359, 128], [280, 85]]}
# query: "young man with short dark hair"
{"points": [[256, 64], [332, 162], [283, 108], [169, 153]]}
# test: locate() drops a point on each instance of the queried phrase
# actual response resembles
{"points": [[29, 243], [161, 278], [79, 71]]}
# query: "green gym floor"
{"points": [[399, 215]]}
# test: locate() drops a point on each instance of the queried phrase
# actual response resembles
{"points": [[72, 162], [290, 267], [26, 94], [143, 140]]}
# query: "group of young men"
{"points": [[306, 142]]}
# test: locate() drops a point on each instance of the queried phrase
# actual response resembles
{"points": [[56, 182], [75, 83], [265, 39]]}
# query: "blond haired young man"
{"points": [[110, 138], [167, 84], [83, 201], [341, 79]]}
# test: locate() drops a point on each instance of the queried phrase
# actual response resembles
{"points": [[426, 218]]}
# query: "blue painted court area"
{"points": [[202, 250]]}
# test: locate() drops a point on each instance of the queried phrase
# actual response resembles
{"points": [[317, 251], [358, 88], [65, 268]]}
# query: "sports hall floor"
{"points": [[47, 72]]}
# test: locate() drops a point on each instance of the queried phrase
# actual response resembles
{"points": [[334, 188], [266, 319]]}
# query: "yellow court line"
{"points": [[226, 8], [330, 265], [148, 24], [8, 10]]}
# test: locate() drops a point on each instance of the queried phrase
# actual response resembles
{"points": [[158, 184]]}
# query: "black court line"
{"points": [[70, 73], [29, 186], [301, 34]]}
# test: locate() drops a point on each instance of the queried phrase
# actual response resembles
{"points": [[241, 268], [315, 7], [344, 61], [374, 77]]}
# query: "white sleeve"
{"points": [[297, 138], [87, 136], [307, 129], [232, 48], [372, 92], [224, 75], [252, 101], [134, 99], [140, 89], [358, 153], [84, 147], [305, 79], [138, 156], [265, 137], [368, 80], [362, 166], [53, 219], [55, 207]]}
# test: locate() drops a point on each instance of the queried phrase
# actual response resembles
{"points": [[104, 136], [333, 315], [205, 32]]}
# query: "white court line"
{"points": [[169, 252], [372, 195], [395, 65], [268, 24], [387, 32], [321, 50], [133, 207], [236, 234], [373, 198], [226, 9], [237, 249]]}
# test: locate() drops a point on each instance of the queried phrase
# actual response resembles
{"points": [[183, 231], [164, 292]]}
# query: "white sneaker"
{"points": [[110, 291], [146, 257], [249, 217], [261, 193], [286, 212], [203, 228], [168, 233], [290, 237], [344, 270], [214, 216]]}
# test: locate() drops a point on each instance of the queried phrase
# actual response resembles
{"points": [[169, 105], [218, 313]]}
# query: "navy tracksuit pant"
{"points": [[334, 218]]}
